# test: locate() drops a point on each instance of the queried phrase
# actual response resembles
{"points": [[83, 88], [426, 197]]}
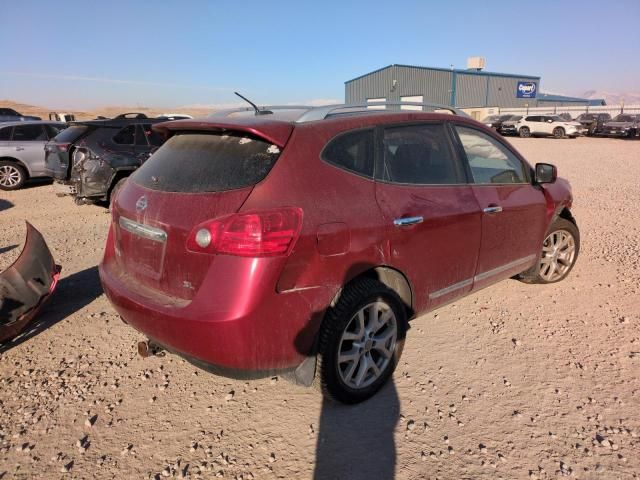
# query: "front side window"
{"points": [[126, 136], [29, 133], [352, 151], [489, 160], [418, 154]]}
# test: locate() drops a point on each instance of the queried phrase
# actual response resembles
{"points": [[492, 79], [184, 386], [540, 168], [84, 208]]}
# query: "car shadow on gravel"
{"points": [[357, 442], [73, 293], [5, 205]]}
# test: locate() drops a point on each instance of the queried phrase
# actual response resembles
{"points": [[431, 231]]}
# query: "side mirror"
{"points": [[546, 173]]}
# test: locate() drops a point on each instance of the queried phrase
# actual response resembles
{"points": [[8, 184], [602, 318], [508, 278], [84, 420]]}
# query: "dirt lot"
{"points": [[517, 381]]}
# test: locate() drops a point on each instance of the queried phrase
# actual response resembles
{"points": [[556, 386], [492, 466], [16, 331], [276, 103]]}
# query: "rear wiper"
{"points": [[255, 107]]}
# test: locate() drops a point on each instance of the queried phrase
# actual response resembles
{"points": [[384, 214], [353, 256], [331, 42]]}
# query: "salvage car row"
{"points": [[85, 158], [624, 125]]}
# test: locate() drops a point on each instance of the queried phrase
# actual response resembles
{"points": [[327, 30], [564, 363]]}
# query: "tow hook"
{"points": [[148, 348]]}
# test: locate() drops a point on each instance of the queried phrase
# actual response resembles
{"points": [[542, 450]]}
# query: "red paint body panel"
{"points": [[443, 249], [514, 234], [263, 313]]}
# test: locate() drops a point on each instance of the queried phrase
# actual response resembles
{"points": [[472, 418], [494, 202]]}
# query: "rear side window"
{"points": [[419, 154], [352, 151], [29, 133], [126, 136], [490, 161], [53, 130], [201, 162], [5, 133], [71, 134], [152, 137]]}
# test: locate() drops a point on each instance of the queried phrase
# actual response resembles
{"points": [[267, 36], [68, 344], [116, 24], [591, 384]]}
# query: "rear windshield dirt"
{"points": [[203, 162]]}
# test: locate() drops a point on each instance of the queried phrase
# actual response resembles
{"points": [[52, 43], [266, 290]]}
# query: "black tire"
{"points": [[535, 273], [356, 296], [12, 175], [524, 132], [558, 132]]}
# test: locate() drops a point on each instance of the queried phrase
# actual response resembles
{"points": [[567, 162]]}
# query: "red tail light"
{"points": [[252, 234], [63, 146]]}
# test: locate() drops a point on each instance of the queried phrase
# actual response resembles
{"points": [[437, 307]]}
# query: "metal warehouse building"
{"points": [[467, 89]]}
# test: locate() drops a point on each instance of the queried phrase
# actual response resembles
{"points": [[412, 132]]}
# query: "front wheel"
{"points": [[361, 341], [558, 132], [524, 132], [559, 254]]}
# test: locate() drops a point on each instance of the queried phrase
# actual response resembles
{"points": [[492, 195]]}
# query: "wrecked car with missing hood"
{"points": [[26, 285], [89, 158]]}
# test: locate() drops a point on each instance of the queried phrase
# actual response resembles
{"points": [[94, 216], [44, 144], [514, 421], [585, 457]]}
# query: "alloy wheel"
{"points": [[558, 255], [10, 176], [367, 345]]}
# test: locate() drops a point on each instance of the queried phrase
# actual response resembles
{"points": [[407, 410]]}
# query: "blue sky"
{"points": [[84, 54]]}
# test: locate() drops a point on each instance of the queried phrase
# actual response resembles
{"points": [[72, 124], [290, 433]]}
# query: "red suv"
{"points": [[254, 244]]}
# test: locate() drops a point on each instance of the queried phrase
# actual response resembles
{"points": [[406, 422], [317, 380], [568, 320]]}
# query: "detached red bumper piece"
{"points": [[26, 285]]}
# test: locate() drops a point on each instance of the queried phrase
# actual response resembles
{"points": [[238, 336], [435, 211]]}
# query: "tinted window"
{"points": [[152, 137], [5, 133], [418, 154], [71, 134], [532, 119], [490, 161], [623, 118], [53, 130], [126, 136], [29, 133], [353, 151], [199, 162], [8, 111]]}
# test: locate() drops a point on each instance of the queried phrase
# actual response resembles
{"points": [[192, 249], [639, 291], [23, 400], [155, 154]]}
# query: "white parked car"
{"points": [[546, 125]]}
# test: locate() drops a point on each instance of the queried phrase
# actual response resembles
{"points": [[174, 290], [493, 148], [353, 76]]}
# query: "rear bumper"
{"points": [[27, 285], [237, 322]]}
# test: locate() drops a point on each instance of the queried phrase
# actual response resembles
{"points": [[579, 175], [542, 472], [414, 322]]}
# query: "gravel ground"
{"points": [[517, 381]]}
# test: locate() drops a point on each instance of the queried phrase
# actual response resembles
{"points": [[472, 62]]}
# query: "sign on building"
{"points": [[526, 90]]}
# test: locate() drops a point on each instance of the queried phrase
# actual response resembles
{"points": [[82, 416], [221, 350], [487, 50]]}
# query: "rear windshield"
{"points": [[71, 134], [200, 162]]}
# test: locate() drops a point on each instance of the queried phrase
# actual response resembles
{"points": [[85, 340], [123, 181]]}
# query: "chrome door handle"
{"points": [[406, 221], [494, 209], [19, 149]]}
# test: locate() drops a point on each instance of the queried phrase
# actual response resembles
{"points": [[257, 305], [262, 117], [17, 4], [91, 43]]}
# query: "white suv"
{"points": [[545, 125]]}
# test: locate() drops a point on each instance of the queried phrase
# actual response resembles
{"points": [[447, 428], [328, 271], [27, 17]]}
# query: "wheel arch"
{"points": [[392, 278], [18, 162]]}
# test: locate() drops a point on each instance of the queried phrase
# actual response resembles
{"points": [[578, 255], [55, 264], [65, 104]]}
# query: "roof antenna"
{"points": [[255, 107]]}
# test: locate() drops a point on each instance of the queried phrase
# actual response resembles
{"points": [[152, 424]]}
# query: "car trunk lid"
{"points": [[194, 177]]}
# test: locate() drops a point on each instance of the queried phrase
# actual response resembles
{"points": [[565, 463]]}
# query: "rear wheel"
{"points": [[524, 132], [558, 132], [12, 175], [361, 341], [559, 254]]}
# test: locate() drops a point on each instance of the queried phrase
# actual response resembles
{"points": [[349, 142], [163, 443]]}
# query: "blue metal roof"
{"points": [[550, 97], [455, 70]]}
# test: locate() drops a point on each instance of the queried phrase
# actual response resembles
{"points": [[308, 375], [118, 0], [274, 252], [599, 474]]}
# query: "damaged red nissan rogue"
{"points": [[304, 240]]}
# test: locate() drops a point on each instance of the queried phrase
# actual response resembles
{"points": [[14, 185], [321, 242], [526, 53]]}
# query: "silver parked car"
{"points": [[22, 150]]}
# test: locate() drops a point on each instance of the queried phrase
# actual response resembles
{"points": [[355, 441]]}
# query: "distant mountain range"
{"points": [[630, 98]]}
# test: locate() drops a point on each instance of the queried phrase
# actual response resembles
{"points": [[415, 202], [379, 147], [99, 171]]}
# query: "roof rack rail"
{"points": [[229, 111], [320, 113]]}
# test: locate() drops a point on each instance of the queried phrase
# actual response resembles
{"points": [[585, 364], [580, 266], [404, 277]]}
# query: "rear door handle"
{"points": [[19, 149], [492, 209], [406, 221]]}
